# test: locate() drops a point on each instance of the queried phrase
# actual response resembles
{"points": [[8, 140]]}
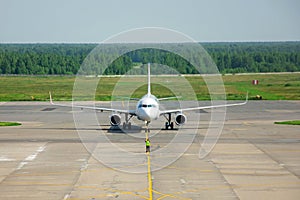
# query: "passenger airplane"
{"points": [[147, 110]]}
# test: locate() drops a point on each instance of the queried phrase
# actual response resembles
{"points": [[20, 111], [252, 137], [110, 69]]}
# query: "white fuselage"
{"points": [[147, 108]]}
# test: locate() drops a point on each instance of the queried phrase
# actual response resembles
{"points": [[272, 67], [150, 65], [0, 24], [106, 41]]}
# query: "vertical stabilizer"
{"points": [[149, 83]]}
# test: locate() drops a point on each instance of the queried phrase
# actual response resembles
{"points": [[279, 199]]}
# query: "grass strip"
{"points": [[36, 88], [10, 124], [293, 122]]}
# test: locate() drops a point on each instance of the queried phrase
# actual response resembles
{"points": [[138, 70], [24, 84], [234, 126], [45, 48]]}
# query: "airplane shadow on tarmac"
{"points": [[117, 129]]}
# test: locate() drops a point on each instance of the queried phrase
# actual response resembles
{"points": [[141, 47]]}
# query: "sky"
{"points": [[92, 21]]}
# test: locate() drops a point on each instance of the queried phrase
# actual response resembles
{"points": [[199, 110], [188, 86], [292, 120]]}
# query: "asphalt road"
{"points": [[52, 157]]}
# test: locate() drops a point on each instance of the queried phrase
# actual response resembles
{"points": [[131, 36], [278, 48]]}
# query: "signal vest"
{"points": [[147, 143]]}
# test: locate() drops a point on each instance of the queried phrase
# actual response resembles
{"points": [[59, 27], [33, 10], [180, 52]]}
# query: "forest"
{"points": [[230, 57]]}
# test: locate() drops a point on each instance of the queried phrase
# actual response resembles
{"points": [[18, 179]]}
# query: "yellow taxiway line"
{"points": [[150, 190]]}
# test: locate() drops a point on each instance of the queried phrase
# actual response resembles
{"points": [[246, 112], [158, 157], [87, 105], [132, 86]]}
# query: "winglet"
{"points": [[149, 83], [50, 97]]}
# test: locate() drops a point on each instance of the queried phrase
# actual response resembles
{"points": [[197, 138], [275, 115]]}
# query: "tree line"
{"points": [[66, 59]]}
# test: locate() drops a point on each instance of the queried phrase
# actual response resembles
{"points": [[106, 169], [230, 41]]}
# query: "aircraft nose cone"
{"points": [[146, 115]]}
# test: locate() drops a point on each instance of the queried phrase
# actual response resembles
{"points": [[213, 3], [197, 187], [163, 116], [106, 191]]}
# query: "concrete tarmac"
{"points": [[45, 158]]}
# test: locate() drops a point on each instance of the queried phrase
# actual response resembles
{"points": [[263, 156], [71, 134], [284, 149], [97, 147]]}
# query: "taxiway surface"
{"points": [[46, 159]]}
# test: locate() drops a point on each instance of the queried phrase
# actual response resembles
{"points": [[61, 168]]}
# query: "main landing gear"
{"points": [[169, 124], [127, 124]]}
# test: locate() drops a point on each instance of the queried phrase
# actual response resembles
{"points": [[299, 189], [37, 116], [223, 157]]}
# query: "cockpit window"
{"points": [[146, 106]]}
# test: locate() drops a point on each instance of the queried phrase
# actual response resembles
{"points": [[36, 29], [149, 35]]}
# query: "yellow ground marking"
{"points": [[150, 191], [150, 184], [113, 192], [104, 196], [239, 129], [247, 123], [146, 134], [173, 196]]}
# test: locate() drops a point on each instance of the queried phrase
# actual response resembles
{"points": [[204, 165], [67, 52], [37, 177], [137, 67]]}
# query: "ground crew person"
{"points": [[147, 141]]}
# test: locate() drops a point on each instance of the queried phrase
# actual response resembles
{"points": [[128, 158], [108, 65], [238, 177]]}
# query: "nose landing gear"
{"points": [[147, 130]]}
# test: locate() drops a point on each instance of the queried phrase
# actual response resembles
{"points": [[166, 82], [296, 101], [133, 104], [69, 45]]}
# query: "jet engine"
{"points": [[115, 120], [180, 119]]}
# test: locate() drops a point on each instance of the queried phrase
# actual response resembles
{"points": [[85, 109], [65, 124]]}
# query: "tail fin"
{"points": [[149, 83]]}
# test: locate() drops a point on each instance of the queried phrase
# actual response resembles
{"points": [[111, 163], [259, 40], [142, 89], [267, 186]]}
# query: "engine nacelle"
{"points": [[115, 120], [180, 119]]}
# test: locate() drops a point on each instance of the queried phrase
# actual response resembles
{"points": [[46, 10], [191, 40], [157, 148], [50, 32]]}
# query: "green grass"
{"points": [[270, 87], [9, 124], [294, 122], [32, 88], [28, 88]]}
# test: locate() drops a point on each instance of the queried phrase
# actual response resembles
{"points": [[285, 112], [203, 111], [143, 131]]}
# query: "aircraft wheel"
{"points": [[124, 125], [167, 125], [172, 125], [129, 126]]}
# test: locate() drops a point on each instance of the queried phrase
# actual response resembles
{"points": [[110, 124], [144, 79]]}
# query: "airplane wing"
{"points": [[202, 107], [131, 112], [168, 98]]}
